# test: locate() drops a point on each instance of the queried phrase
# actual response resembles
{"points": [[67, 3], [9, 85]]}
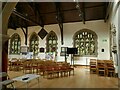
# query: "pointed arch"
{"points": [[51, 42], [34, 43], [15, 43], [86, 42], [34, 34], [52, 34]]}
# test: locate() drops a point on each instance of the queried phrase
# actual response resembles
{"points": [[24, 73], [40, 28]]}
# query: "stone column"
{"points": [[4, 52], [4, 16]]}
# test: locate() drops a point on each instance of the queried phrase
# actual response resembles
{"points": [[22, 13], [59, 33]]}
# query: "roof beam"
{"points": [[39, 13], [59, 18], [25, 31], [25, 17], [109, 8], [35, 7], [83, 13]]}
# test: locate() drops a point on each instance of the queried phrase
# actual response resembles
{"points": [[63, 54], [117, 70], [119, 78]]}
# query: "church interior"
{"points": [[70, 44]]}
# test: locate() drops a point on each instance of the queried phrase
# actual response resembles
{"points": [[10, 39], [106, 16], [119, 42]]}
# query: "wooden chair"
{"points": [[35, 66], [110, 69], [41, 68], [49, 69], [10, 65], [27, 66], [69, 68], [64, 70], [55, 69], [93, 66], [6, 80], [18, 65], [101, 67], [13, 64]]}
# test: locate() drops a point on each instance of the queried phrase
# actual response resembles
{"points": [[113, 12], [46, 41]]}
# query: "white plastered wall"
{"points": [[98, 26]]}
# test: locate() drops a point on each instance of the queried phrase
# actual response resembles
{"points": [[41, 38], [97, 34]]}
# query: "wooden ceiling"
{"points": [[44, 13]]}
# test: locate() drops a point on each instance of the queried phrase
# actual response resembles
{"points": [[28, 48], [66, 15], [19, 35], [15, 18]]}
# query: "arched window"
{"points": [[86, 42], [34, 44], [15, 44], [51, 42]]}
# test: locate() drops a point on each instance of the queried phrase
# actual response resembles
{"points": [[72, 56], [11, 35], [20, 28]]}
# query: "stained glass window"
{"points": [[15, 44], [34, 44], [86, 42], [51, 43]]}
